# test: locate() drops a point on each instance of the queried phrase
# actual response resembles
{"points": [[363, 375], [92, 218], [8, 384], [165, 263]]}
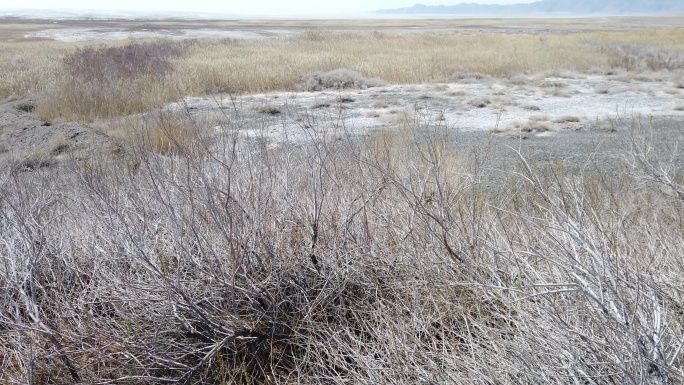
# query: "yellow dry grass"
{"points": [[262, 65], [26, 67], [162, 132]]}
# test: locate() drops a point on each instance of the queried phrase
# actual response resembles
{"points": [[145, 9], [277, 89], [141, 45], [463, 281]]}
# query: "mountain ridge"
{"points": [[550, 6]]}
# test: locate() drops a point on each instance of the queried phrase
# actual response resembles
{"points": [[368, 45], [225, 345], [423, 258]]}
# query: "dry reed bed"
{"points": [[225, 65], [364, 260]]}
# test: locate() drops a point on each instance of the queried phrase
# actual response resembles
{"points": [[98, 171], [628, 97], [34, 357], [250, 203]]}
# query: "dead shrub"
{"points": [[378, 259], [644, 57], [26, 107], [34, 161], [107, 65], [112, 81]]}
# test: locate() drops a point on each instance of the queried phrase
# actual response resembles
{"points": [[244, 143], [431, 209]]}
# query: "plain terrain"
{"points": [[345, 201]]}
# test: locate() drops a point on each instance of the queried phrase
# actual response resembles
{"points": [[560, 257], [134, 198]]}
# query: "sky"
{"points": [[240, 7]]}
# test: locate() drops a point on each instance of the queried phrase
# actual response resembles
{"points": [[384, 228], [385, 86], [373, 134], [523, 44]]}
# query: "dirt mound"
{"points": [[33, 143]]}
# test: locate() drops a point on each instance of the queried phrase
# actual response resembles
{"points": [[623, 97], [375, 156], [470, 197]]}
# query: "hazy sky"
{"points": [[262, 7]]}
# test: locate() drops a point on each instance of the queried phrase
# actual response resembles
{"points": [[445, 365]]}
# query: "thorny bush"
{"points": [[376, 260]]}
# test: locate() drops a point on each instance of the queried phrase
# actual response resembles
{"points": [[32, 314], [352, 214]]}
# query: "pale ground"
{"points": [[540, 106], [94, 29], [102, 34], [580, 123]]}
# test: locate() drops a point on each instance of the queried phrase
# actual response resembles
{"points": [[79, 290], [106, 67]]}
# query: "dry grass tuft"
{"points": [[652, 76], [267, 110], [539, 118], [161, 132], [455, 94], [603, 89], [519, 80], [559, 92], [480, 102], [396, 116], [523, 128], [320, 104], [380, 103], [32, 162], [469, 78], [678, 80], [567, 119], [552, 83], [338, 79]]}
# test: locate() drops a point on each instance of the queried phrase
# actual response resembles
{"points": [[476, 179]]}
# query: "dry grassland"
{"points": [[37, 68]]}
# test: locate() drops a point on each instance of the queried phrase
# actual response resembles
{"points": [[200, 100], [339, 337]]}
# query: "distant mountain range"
{"points": [[608, 7]]}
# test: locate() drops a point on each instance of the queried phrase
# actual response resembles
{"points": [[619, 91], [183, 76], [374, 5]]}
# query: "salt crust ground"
{"points": [[569, 120], [99, 34], [555, 104]]}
